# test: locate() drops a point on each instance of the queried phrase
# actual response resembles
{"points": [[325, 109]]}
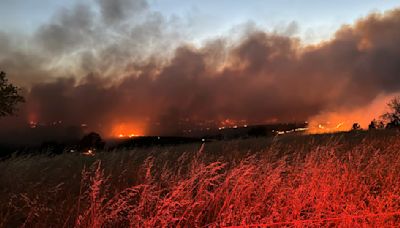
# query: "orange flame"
{"points": [[126, 130], [343, 120]]}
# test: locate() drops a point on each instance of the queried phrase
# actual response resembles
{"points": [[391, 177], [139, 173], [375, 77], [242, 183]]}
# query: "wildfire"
{"points": [[33, 120], [327, 127], [127, 136], [126, 130], [230, 123], [343, 119], [32, 124]]}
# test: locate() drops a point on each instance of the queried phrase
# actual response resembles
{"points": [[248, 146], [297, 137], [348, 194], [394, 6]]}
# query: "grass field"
{"points": [[344, 179]]}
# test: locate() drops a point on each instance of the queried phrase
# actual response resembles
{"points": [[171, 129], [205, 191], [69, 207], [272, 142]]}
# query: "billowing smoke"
{"points": [[125, 68]]}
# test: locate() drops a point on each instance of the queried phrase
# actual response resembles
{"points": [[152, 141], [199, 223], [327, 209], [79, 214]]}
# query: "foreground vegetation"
{"points": [[348, 179]]}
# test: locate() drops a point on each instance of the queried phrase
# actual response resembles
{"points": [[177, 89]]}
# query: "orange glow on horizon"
{"points": [[343, 120], [127, 136], [126, 130]]}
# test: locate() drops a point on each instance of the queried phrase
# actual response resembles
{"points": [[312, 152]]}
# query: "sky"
{"points": [[164, 67], [316, 20]]}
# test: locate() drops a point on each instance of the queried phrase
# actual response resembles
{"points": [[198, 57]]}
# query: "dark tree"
{"points": [[91, 141], [375, 124], [372, 125], [393, 116], [9, 96], [356, 127], [380, 125], [394, 123]]}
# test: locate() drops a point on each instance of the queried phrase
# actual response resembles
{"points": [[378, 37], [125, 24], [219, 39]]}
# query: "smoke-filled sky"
{"points": [[161, 67], [315, 20]]}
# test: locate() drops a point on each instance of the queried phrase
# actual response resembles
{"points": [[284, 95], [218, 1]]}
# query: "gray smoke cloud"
{"points": [[71, 29], [118, 10], [86, 71]]}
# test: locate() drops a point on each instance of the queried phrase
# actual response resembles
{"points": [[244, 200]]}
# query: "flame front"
{"points": [[126, 130]]}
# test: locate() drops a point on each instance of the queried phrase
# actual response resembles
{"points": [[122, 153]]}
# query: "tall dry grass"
{"points": [[336, 180]]}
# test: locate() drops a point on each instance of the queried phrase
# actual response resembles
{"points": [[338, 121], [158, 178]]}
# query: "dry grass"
{"points": [[333, 180]]}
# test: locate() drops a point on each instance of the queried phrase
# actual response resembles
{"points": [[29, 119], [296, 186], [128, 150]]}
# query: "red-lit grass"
{"points": [[312, 182]]}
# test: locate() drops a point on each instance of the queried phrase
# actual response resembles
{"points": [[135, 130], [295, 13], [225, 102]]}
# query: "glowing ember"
{"points": [[88, 153], [32, 124]]}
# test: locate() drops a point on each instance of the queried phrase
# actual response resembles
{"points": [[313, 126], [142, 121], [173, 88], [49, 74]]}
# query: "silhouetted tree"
{"points": [[394, 123], [372, 125], [375, 124], [380, 125], [9, 96], [355, 127], [393, 116], [91, 141]]}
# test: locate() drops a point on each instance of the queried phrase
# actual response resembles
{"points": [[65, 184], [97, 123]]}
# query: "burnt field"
{"points": [[345, 179]]}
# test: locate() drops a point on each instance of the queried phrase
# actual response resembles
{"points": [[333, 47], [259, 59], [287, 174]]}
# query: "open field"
{"points": [[344, 179]]}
